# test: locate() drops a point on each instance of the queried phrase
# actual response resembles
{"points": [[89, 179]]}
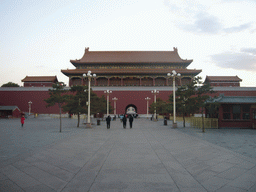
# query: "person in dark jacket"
{"points": [[124, 121], [130, 120], [108, 119]]}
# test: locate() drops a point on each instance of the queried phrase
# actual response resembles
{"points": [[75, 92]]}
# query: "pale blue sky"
{"points": [[39, 37]]}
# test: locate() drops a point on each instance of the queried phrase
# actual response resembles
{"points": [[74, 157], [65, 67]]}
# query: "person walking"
{"points": [[124, 122], [108, 119], [131, 120], [22, 119]]}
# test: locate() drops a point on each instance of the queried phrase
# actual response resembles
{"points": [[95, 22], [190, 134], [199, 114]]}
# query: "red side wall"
{"points": [[125, 98], [21, 99]]}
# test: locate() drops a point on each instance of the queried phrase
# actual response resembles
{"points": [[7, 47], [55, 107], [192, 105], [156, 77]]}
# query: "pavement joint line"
{"points": [[103, 163], [176, 161], [223, 148], [93, 156], [161, 160]]}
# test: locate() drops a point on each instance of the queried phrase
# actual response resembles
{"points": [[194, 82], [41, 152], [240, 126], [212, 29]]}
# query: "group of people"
{"points": [[123, 120]]}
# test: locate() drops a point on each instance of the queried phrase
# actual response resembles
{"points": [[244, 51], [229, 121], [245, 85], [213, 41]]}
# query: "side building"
{"points": [[39, 81]]}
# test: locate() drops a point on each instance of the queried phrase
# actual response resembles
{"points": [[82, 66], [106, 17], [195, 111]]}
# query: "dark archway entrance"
{"points": [[131, 109]]}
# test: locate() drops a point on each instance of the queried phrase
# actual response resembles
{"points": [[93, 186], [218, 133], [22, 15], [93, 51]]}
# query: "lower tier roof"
{"points": [[135, 71]]}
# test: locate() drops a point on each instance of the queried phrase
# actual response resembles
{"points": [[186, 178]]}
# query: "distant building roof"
{"points": [[40, 79], [7, 108], [235, 99], [222, 79], [130, 57]]}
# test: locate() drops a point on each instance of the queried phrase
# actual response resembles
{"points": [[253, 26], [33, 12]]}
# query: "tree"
{"points": [[99, 104], [202, 96], [184, 100], [161, 106], [190, 98], [212, 107], [57, 95], [10, 84], [76, 104]]}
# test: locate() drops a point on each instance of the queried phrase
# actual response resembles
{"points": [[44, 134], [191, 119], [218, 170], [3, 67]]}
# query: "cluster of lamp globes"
{"points": [[174, 73], [89, 74]]}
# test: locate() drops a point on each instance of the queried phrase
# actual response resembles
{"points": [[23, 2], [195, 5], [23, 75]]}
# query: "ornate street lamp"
{"points": [[115, 99], [174, 74], [29, 107], [89, 76], [108, 92], [154, 92], [147, 99]]}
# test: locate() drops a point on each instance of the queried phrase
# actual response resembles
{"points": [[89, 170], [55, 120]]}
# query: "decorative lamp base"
{"points": [[174, 125]]}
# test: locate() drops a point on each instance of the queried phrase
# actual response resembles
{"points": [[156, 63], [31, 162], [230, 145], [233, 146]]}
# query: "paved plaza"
{"points": [[148, 157]]}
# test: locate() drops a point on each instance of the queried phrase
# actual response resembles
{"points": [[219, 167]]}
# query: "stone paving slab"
{"points": [[148, 157]]}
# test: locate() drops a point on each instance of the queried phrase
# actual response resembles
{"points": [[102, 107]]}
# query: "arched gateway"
{"points": [[131, 109]]}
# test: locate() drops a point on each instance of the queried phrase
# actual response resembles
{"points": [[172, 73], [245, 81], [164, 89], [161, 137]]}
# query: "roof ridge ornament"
{"points": [[86, 49]]}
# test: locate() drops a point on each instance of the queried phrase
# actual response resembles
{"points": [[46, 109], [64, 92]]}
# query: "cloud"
{"points": [[210, 24], [238, 28], [244, 60], [249, 50], [195, 17], [204, 23]]}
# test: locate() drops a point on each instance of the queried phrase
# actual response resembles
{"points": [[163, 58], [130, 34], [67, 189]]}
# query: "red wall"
{"points": [[21, 99], [125, 98], [136, 98]]}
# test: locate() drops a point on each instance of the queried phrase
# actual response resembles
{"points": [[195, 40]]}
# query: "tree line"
{"points": [[75, 100], [192, 98]]}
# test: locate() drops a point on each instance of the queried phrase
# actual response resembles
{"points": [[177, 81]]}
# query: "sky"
{"points": [[40, 37]]}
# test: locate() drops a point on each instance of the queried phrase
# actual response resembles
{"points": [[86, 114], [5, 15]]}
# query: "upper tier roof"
{"points": [[94, 57], [40, 78], [222, 79]]}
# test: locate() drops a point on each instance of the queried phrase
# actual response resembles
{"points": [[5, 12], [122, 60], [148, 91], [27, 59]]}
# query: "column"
{"points": [[95, 82], [122, 81]]}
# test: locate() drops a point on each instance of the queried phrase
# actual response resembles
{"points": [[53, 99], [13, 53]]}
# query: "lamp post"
{"points": [[29, 107], [115, 99], [108, 92], [147, 99], [154, 92], [174, 74], [89, 76]]}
